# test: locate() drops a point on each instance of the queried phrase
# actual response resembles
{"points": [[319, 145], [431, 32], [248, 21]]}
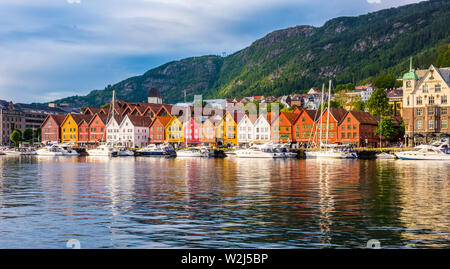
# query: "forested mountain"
{"points": [[345, 49]]}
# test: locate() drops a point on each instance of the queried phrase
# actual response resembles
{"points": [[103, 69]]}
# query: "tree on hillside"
{"points": [[16, 137], [105, 105], [386, 81], [443, 56], [355, 103], [346, 87], [378, 103], [333, 104]]}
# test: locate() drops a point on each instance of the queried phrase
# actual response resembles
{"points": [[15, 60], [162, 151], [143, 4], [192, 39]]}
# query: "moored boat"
{"points": [[424, 152], [157, 150], [124, 152], [192, 152], [102, 150], [52, 150]]}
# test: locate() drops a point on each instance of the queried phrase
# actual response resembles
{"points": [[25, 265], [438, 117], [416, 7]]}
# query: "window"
{"points": [[444, 124], [354, 135], [443, 111], [419, 124], [425, 88], [430, 111], [303, 119], [431, 100], [437, 88], [408, 84], [419, 100], [431, 124], [419, 112], [343, 135], [444, 99]]}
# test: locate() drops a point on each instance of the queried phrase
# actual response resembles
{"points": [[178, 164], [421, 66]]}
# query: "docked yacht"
{"points": [[19, 151], [424, 152], [157, 150], [258, 152], [192, 152], [67, 150], [52, 150], [332, 153], [103, 150], [124, 152]]}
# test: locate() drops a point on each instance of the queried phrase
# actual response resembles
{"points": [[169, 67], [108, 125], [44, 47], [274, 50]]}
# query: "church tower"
{"points": [[410, 80], [154, 96]]}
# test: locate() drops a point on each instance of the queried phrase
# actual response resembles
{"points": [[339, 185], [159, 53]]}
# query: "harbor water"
{"points": [[222, 203]]}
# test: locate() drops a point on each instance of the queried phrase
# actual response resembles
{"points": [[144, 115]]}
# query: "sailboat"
{"points": [[333, 151]]}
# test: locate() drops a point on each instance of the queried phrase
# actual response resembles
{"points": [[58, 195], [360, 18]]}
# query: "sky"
{"points": [[50, 49]]}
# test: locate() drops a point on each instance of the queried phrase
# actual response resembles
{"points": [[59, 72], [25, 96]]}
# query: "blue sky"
{"points": [[51, 49]]}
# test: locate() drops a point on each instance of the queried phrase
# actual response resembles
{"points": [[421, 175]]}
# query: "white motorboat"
{"points": [[385, 156], [157, 150], [68, 151], [192, 152], [284, 148], [331, 153], [124, 152], [19, 151], [103, 150], [258, 152], [52, 150], [424, 152]]}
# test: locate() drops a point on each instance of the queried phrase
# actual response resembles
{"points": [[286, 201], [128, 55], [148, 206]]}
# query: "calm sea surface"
{"points": [[222, 203]]}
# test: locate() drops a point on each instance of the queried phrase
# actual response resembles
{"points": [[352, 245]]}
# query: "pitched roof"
{"points": [[363, 117], [154, 92], [313, 114], [337, 113], [92, 109], [102, 117], [140, 121], [56, 117], [290, 116], [78, 118]]}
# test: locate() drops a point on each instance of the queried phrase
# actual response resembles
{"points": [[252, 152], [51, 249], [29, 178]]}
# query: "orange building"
{"points": [[358, 128], [157, 129], [336, 115], [282, 127], [304, 126]]}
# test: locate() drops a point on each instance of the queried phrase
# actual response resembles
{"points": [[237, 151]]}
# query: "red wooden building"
{"points": [[358, 128], [157, 129], [50, 129], [97, 129]]}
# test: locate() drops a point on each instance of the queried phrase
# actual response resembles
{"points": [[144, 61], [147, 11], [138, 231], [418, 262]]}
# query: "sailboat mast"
{"points": [[328, 116], [321, 114]]}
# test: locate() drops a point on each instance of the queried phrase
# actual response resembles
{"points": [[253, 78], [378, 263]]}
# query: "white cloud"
{"points": [[374, 1], [74, 1]]}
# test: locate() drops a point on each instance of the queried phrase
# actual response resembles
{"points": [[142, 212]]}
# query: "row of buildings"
{"points": [[138, 124]]}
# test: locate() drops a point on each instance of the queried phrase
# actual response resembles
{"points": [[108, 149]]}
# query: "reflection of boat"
{"points": [[193, 152], [123, 152], [157, 150], [259, 152], [102, 150], [386, 156], [52, 150], [424, 152]]}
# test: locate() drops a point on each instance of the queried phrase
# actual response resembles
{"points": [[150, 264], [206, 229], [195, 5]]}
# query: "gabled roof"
{"points": [[78, 118], [140, 121], [363, 117], [56, 117], [92, 110], [163, 120], [290, 116], [102, 117], [337, 113]]}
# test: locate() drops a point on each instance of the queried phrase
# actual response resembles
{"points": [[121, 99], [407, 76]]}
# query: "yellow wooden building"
{"points": [[174, 131], [69, 127], [226, 131]]}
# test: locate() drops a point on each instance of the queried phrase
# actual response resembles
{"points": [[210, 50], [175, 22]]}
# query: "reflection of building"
{"points": [[425, 103]]}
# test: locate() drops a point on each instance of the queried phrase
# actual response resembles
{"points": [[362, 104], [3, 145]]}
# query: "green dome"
{"points": [[410, 75]]}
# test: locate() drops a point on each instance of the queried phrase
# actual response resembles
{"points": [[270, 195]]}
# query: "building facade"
{"points": [[425, 104]]}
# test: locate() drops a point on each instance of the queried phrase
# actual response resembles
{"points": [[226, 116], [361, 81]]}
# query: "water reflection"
{"points": [[232, 203]]}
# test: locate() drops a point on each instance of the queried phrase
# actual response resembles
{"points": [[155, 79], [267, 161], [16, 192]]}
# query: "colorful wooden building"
{"points": [[336, 115], [174, 131], [50, 129], [157, 130], [97, 129], [358, 128], [282, 127], [304, 127]]}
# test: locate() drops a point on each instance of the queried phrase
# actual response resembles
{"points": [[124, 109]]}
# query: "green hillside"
{"points": [[346, 49]]}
